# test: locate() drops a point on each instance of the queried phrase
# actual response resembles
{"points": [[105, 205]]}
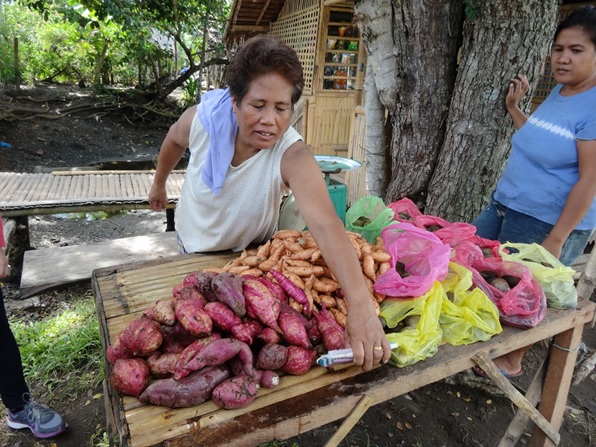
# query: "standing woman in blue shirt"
{"points": [[547, 190], [546, 193]]}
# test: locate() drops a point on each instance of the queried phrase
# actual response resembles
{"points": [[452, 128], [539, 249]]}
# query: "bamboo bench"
{"points": [[59, 192]]}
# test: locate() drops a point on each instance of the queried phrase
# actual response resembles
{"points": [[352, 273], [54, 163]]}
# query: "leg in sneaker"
{"points": [[43, 422], [22, 412]]}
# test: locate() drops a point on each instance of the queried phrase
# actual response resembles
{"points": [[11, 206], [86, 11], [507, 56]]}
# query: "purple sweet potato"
{"points": [[293, 330], [265, 378], [222, 316], [177, 289], [292, 290], [192, 390], [247, 330], [268, 379], [275, 288], [130, 376], [193, 318], [272, 356], [228, 290], [163, 312], [235, 392], [194, 294], [204, 285], [217, 352], [162, 365], [263, 303], [190, 280], [268, 335], [117, 350], [331, 332], [190, 352], [142, 336], [299, 360]]}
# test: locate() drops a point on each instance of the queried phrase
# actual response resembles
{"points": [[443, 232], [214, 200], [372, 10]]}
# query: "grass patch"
{"points": [[63, 350]]}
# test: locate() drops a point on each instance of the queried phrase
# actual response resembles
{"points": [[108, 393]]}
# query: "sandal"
{"points": [[480, 372]]}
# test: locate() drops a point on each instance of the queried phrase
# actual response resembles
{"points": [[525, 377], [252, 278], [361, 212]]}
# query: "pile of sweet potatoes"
{"points": [[225, 333]]}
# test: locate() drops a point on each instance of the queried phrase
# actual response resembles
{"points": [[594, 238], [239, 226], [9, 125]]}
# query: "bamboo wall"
{"points": [[297, 25], [356, 180]]}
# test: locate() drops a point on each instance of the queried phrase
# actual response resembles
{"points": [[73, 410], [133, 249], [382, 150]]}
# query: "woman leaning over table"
{"points": [[244, 157], [547, 192]]}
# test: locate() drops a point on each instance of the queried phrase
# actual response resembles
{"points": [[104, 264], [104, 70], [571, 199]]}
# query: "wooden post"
{"points": [[17, 72], [557, 383]]}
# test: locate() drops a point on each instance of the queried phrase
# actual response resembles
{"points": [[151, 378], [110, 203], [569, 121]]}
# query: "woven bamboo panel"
{"points": [[297, 26], [25, 191], [329, 123], [356, 179]]}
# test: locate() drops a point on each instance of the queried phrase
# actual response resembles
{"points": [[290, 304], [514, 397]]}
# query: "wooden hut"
{"points": [[329, 46]]}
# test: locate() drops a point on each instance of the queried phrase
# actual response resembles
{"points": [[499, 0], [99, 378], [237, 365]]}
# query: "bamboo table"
{"points": [[302, 403]]}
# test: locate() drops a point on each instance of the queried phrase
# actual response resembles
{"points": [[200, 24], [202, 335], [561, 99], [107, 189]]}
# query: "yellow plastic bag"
{"points": [[555, 278], [467, 316], [419, 342]]}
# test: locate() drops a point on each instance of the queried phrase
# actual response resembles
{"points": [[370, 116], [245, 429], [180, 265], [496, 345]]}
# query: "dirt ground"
{"points": [[461, 411]]}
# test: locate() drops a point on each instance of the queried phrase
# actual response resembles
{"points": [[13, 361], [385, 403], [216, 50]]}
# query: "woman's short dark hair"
{"points": [[260, 55], [583, 17]]}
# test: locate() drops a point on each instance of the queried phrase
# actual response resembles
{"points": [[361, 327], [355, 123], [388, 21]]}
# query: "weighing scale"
{"points": [[289, 216]]}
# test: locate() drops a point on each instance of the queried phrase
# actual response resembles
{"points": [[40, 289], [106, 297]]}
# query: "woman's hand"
{"points": [[518, 87], [553, 246], [158, 198], [4, 267], [364, 334]]}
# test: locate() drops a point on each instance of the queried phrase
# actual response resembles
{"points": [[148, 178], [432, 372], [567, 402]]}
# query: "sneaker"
{"points": [[43, 422]]}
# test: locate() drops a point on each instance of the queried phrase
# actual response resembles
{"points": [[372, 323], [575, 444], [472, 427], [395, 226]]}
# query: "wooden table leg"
{"points": [[521, 419], [350, 421], [516, 397], [557, 382]]}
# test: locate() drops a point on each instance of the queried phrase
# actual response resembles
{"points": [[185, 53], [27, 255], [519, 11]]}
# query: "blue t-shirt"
{"points": [[543, 165]]}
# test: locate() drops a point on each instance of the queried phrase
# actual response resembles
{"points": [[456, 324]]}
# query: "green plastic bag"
{"points": [[555, 278], [419, 342], [368, 216], [467, 314]]}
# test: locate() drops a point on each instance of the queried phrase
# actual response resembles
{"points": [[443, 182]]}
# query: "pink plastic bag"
{"points": [[424, 257], [524, 305], [405, 210], [474, 247], [443, 229]]}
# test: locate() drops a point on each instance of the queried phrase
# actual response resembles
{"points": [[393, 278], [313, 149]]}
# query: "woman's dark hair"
{"points": [[584, 17], [260, 55]]}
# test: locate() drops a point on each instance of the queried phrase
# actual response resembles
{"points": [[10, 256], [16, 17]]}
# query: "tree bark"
{"points": [[507, 38], [443, 82], [420, 56]]}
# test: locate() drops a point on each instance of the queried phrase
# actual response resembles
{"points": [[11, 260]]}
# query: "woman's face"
{"points": [[573, 60], [265, 111]]}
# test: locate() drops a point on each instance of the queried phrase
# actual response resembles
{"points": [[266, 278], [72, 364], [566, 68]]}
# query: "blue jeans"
{"points": [[500, 223]]}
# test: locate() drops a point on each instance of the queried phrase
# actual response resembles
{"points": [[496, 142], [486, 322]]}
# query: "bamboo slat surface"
{"points": [[23, 194], [299, 403]]}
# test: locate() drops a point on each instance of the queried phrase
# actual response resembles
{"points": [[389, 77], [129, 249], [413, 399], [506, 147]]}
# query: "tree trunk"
{"points": [[416, 69], [507, 38], [450, 132]]}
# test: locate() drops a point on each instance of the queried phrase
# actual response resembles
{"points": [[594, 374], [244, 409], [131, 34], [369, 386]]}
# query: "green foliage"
{"points": [[190, 93], [64, 349], [472, 9], [117, 42]]}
